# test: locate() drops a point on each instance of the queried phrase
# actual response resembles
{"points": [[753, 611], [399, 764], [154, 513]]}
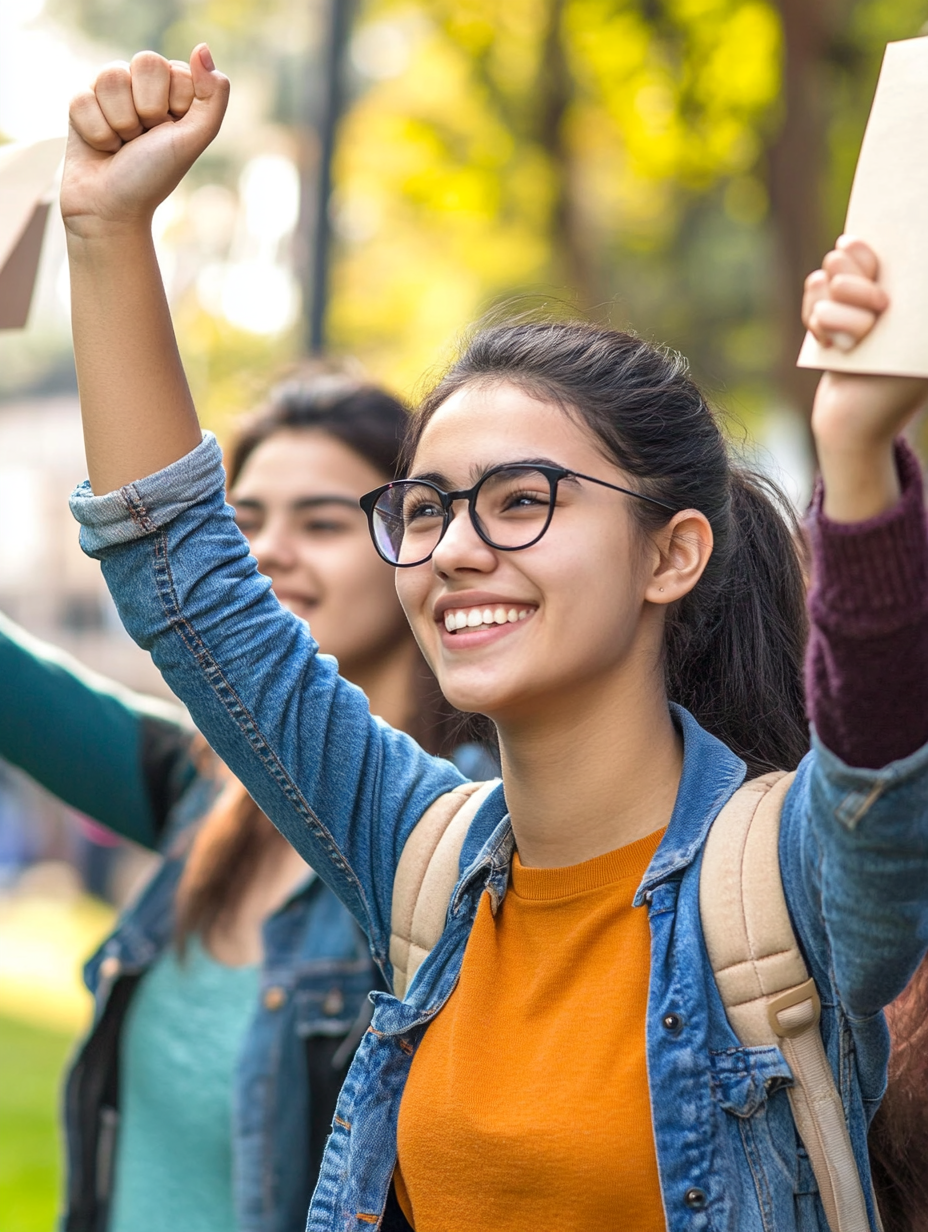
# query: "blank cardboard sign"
{"points": [[889, 210], [26, 174]]}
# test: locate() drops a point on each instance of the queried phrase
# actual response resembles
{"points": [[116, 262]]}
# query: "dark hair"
{"points": [[899, 1132], [734, 645], [330, 399], [236, 836]]}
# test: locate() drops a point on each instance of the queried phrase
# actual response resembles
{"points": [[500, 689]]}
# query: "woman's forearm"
{"points": [[867, 662], [136, 406]]}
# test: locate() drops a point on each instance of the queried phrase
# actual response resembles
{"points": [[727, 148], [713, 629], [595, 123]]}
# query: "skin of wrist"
{"points": [[859, 483], [86, 232]]}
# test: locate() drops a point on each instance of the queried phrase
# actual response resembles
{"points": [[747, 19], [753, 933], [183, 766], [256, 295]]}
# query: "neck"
{"points": [[599, 774], [389, 682]]}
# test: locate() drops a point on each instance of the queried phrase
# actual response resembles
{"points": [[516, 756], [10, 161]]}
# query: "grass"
{"points": [[31, 1063]]}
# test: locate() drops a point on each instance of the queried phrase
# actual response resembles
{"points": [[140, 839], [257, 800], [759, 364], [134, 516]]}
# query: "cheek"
{"points": [[355, 584], [368, 587], [413, 589], [593, 591]]}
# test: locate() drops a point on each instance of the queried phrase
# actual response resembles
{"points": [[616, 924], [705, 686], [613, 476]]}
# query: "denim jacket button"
{"points": [[274, 998], [672, 1023], [334, 1003], [695, 1199], [110, 967]]}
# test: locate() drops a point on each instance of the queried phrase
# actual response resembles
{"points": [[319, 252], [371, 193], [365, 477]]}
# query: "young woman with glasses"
{"points": [[581, 561]]}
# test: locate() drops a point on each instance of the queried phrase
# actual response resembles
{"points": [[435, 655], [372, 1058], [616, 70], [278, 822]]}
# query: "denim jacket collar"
{"points": [[711, 775]]}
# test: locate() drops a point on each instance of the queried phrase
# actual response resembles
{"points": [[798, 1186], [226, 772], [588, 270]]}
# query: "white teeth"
{"points": [[475, 617]]}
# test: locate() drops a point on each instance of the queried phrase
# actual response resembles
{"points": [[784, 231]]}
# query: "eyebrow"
{"points": [[303, 502], [477, 471]]}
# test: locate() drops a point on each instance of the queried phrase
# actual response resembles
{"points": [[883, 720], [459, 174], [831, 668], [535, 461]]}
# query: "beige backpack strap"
{"points": [[426, 876], [765, 986]]}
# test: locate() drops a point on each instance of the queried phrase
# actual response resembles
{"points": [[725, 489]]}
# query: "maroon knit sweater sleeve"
{"points": [[867, 660]]}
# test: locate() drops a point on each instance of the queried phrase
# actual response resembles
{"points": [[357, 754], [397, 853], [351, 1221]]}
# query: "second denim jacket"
{"points": [[125, 761]]}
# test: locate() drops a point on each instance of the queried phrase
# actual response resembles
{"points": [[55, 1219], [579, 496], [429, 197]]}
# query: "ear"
{"points": [[682, 551]]}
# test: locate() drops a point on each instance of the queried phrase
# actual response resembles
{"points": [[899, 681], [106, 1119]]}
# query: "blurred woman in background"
{"points": [[232, 993]]}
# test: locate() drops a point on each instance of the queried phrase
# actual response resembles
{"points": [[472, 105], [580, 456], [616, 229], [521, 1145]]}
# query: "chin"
{"points": [[475, 693]]}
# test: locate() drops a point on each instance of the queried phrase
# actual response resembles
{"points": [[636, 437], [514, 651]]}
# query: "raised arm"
{"points": [[132, 139], [344, 788], [120, 758], [864, 857]]}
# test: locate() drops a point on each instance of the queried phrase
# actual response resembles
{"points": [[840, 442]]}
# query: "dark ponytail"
{"points": [[734, 645]]}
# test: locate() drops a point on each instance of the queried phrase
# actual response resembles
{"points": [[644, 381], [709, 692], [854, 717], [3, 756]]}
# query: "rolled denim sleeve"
{"points": [[854, 859], [343, 787]]}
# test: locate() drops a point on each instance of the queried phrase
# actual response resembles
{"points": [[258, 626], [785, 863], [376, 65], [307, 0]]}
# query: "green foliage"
{"points": [[237, 30], [131, 26], [602, 152], [229, 370], [570, 146], [31, 1065]]}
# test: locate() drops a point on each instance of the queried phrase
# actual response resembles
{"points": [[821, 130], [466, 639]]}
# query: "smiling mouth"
{"points": [[293, 602], [475, 618]]}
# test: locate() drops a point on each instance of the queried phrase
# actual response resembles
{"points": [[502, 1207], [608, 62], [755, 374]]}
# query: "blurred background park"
{"points": [[389, 171]]}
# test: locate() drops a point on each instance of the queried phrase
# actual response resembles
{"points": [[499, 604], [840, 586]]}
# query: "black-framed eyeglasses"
{"points": [[510, 508]]}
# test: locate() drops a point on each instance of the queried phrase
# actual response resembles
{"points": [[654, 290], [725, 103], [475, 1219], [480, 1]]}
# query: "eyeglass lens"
{"points": [[512, 507]]}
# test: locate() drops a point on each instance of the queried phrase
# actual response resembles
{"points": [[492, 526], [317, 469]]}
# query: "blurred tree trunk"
{"points": [[797, 166], [554, 90]]}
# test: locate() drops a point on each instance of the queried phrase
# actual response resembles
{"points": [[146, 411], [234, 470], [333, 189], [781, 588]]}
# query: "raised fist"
{"points": [[843, 299], [135, 134]]}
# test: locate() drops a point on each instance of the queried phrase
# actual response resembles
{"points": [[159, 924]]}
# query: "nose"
{"points": [[272, 547], [461, 548]]}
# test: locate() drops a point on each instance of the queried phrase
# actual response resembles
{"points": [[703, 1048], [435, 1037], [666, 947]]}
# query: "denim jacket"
{"points": [[125, 760], [347, 790]]}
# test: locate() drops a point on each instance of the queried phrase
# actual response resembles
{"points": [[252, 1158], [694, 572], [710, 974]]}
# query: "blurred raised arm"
{"points": [[121, 758]]}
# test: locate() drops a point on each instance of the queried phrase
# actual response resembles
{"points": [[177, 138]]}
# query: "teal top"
{"points": [[180, 1049]]}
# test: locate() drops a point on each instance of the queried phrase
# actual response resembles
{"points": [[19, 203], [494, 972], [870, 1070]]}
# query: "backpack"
{"points": [[762, 978]]}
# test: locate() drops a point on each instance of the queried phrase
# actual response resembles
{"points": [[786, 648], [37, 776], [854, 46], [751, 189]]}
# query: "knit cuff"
{"points": [[871, 578]]}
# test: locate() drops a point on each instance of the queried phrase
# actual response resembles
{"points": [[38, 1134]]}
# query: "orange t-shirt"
{"points": [[527, 1103]]}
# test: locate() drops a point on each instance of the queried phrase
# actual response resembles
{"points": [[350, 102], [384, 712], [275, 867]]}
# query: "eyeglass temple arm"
{"points": [[653, 500]]}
